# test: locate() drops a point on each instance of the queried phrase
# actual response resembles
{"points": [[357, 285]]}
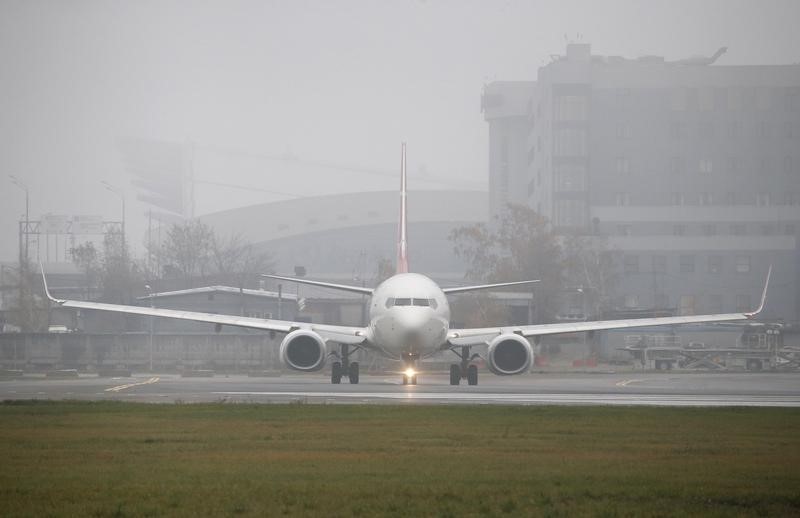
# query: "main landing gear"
{"points": [[464, 369], [344, 367]]}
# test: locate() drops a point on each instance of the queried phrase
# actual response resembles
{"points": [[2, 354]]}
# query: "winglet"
{"points": [[763, 297], [46, 290]]}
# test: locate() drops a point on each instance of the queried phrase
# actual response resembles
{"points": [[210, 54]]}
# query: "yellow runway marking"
{"points": [[625, 383], [129, 385]]}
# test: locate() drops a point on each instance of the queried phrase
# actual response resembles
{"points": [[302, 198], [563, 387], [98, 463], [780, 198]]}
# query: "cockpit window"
{"points": [[411, 302]]}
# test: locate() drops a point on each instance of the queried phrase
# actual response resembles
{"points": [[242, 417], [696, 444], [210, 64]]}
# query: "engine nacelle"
{"points": [[303, 350], [510, 354]]}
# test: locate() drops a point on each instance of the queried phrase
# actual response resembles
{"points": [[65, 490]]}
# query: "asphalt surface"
{"points": [[607, 388]]}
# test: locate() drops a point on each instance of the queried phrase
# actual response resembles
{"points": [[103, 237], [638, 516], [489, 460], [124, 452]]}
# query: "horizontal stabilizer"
{"points": [[462, 289], [341, 287]]}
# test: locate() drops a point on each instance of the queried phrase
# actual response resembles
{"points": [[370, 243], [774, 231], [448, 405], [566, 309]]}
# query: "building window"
{"points": [[742, 264], [631, 263], [659, 264], [677, 165], [623, 165], [631, 301], [624, 230], [687, 264], [624, 130], [705, 166], [676, 198], [571, 108], [706, 198], [730, 198], [738, 229], [709, 229], [706, 130], [622, 199], [715, 264], [677, 130], [743, 303], [763, 199], [679, 230], [767, 229]]}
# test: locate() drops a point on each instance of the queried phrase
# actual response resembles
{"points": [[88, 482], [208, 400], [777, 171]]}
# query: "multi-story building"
{"points": [[691, 169]]}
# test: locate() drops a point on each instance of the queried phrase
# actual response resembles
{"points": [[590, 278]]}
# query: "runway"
{"points": [[607, 388]]}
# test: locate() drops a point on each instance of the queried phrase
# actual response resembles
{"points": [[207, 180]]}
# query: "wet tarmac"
{"points": [[606, 388]]}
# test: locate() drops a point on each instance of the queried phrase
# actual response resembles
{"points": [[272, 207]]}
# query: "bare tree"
{"points": [[87, 258], [519, 245], [188, 249]]}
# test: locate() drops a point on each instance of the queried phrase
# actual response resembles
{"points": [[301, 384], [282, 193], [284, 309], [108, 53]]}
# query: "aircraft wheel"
{"points": [[472, 374], [353, 374], [336, 373], [455, 374]]}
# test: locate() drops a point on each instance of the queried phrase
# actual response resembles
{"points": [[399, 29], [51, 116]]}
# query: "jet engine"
{"points": [[303, 350], [510, 354]]}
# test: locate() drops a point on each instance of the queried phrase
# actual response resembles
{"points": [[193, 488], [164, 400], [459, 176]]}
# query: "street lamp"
{"points": [[121, 195], [16, 181], [152, 322]]}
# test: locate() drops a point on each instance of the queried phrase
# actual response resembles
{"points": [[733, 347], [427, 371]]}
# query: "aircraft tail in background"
{"points": [[402, 238]]}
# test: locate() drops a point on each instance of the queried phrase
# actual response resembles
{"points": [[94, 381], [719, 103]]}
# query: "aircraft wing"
{"points": [[343, 287], [340, 334], [478, 335]]}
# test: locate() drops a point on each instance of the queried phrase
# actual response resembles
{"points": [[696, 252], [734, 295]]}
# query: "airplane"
{"points": [[409, 320]]}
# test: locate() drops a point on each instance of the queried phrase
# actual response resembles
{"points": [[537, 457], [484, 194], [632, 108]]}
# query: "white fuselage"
{"points": [[409, 316]]}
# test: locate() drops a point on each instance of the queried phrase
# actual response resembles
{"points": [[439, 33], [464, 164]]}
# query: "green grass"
{"points": [[118, 459]]}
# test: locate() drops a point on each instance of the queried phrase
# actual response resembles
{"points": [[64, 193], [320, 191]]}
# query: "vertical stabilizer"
{"points": [[402, 243]]}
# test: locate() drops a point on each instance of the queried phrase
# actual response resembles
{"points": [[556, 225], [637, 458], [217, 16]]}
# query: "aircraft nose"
{"points": [[411, 319]]}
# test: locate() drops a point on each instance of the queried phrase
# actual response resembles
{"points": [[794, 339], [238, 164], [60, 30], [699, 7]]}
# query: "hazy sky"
{"points": [[337, 81]]}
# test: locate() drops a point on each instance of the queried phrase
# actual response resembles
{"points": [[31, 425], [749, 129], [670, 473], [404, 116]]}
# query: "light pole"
{"points": [[152, 321], [121, 195], [16, 181]]}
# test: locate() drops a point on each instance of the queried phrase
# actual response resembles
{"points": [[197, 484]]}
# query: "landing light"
{"points": [[409, 372]]}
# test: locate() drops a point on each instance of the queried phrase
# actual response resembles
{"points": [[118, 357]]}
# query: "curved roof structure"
{"points": [[346, 234]]}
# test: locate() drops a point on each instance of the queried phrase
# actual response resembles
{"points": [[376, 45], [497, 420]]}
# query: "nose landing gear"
{"points": [[345, 367], [464, 369], [410, 369]]}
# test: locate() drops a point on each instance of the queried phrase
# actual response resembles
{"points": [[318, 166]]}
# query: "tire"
{"points": [[472, 374], [336, 373], [353, 374], [455, 374]]}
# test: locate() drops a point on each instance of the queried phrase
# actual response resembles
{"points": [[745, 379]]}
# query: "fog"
{"points": [[338, 83]]}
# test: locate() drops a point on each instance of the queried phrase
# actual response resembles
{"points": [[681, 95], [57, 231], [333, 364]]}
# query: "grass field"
{"points": [[118, 459]]}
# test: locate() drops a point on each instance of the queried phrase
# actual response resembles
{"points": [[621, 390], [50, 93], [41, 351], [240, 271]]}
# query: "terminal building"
{"points": [[690, 169]]}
